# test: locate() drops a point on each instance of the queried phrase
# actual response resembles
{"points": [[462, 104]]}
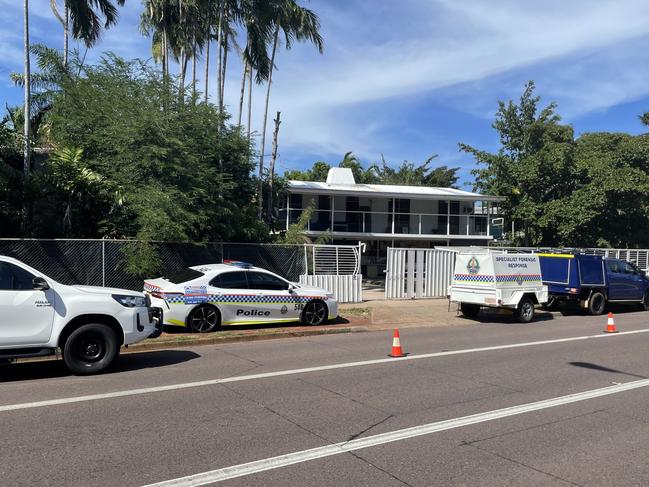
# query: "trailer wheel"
{"points": [[470, 310], [525, 311], [596, 304]]}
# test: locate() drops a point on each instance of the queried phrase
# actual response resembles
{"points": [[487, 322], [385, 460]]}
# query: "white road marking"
{"points": [[392, 436], [280, 373]]}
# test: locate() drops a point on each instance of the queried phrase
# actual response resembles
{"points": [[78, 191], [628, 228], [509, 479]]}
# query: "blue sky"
{"points": [[412, 78]]}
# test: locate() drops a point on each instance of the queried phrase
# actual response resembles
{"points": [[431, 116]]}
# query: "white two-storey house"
{"points": [[384, 216]]}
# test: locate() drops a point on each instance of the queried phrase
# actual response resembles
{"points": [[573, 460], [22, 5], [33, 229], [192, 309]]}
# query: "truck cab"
{"points": [[593, 281]]}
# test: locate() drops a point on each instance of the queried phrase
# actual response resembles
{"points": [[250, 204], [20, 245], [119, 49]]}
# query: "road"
{"points": [[555, 402]]}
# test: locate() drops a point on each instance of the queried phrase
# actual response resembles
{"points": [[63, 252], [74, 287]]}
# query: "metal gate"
{"points": [[418, 273], [336, 268]]}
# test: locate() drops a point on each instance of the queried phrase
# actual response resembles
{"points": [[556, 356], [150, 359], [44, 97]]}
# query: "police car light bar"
{"points": [[237, 263]]}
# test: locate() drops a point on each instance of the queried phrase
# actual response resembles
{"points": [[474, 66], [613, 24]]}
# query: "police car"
{"points": [[202, 298]]}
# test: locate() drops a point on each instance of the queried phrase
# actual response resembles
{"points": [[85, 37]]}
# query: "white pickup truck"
{"points": [[39, 316], [497, 280]]}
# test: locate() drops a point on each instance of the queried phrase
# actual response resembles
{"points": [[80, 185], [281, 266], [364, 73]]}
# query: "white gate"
{"points": [[336, 268], [418, 273]]}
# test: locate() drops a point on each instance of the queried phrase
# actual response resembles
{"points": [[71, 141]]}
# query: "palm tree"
{"points": [[256, 16], [27, 105], [43, 86], [86, 19], [296, 23]]}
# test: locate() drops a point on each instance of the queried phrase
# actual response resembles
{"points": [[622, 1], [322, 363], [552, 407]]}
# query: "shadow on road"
{"points": [[49, 369], [601, 368], [177, 330], [488, 317], [573, 309]]}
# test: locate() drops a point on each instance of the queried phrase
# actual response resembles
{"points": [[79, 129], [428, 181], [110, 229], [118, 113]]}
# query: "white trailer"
{"points": [[496, 280]]}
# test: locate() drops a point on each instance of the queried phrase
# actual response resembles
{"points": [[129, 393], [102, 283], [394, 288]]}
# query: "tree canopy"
{"points": [[565, 191], [406, 174]]}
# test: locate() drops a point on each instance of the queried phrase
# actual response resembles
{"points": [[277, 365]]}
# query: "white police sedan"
{"points": [[202, 298]]}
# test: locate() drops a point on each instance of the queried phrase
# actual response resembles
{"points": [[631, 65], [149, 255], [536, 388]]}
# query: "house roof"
{"points": [[387, 190]]}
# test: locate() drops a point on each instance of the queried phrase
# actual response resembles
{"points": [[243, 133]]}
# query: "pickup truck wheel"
{"points": [[90, 349], [525, 311], [596, 304], [470, 310], [204, 319]]}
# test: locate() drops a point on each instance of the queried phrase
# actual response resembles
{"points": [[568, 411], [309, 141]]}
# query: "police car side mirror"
{"points": [[40, 284], [291, 288]]}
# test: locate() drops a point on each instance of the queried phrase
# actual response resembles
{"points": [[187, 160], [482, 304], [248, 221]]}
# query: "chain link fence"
{"points": [[104, 262]]}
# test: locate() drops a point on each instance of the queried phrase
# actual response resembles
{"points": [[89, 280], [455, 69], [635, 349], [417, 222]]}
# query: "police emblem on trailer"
{"points": [[519, 280], [284, 310], [473, 267]]}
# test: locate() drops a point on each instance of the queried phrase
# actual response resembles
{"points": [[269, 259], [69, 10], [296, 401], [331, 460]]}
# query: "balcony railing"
{"points": [[391, 223]]}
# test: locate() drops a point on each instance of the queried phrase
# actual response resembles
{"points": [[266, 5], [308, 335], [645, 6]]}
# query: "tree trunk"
{"points": [[271, 169], [263, 130], [223, 68], [66, 36], [183, 69], [243, 90], [194, 69], [219, 35], [26, 127], [207, 67], [249, 102]]}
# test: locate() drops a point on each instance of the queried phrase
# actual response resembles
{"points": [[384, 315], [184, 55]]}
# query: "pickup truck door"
{"points": [[634, 280], [26, 315], [617, 281]]}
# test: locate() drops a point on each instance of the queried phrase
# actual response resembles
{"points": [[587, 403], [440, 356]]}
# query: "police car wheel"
{"points": [[204, 319], [314, 313]]}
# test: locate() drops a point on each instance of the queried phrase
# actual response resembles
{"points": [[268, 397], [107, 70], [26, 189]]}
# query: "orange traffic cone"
{"points": [[396, 346], [610, 326]]}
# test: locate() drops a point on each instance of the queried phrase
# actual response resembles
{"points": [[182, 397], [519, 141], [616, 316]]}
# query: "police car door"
{"points": [[275, 296], [233, 296]]}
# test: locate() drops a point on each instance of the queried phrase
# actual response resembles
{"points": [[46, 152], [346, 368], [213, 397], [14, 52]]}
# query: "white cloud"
{"points": [[455, 43]]}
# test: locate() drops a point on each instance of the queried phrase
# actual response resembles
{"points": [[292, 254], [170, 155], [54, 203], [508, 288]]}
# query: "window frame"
{"points": [[11, 266], [233, 271], [284, 281]]}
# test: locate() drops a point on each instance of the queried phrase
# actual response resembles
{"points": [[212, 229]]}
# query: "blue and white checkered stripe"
{"points": [[244, 299], [519, 278], [478, 278]]}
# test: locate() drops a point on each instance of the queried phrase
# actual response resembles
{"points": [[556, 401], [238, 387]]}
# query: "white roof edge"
{"points": [[372, 190]]}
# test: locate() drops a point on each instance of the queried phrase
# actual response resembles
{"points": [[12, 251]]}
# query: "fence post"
{"points": [[103, 261]]}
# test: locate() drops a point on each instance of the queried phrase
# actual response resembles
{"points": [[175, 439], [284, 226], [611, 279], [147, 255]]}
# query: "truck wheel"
{"points": [[596, 304], [90, 349], [204, 319], [470, 310], [525, 311]]}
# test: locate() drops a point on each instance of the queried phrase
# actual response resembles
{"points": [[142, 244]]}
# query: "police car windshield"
{"points": [[184, 276]]}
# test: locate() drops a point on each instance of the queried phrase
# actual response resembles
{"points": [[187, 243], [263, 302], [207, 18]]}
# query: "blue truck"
{"points": [[593, 281]]}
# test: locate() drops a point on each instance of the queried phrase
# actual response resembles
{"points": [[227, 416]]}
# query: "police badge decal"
{"points": [[473, 267]]}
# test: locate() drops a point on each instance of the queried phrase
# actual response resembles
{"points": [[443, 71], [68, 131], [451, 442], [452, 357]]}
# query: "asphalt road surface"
{"points": [[555, 402]]}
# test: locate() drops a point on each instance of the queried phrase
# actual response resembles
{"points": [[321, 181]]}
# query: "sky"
{"points": [[411, 78]]}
